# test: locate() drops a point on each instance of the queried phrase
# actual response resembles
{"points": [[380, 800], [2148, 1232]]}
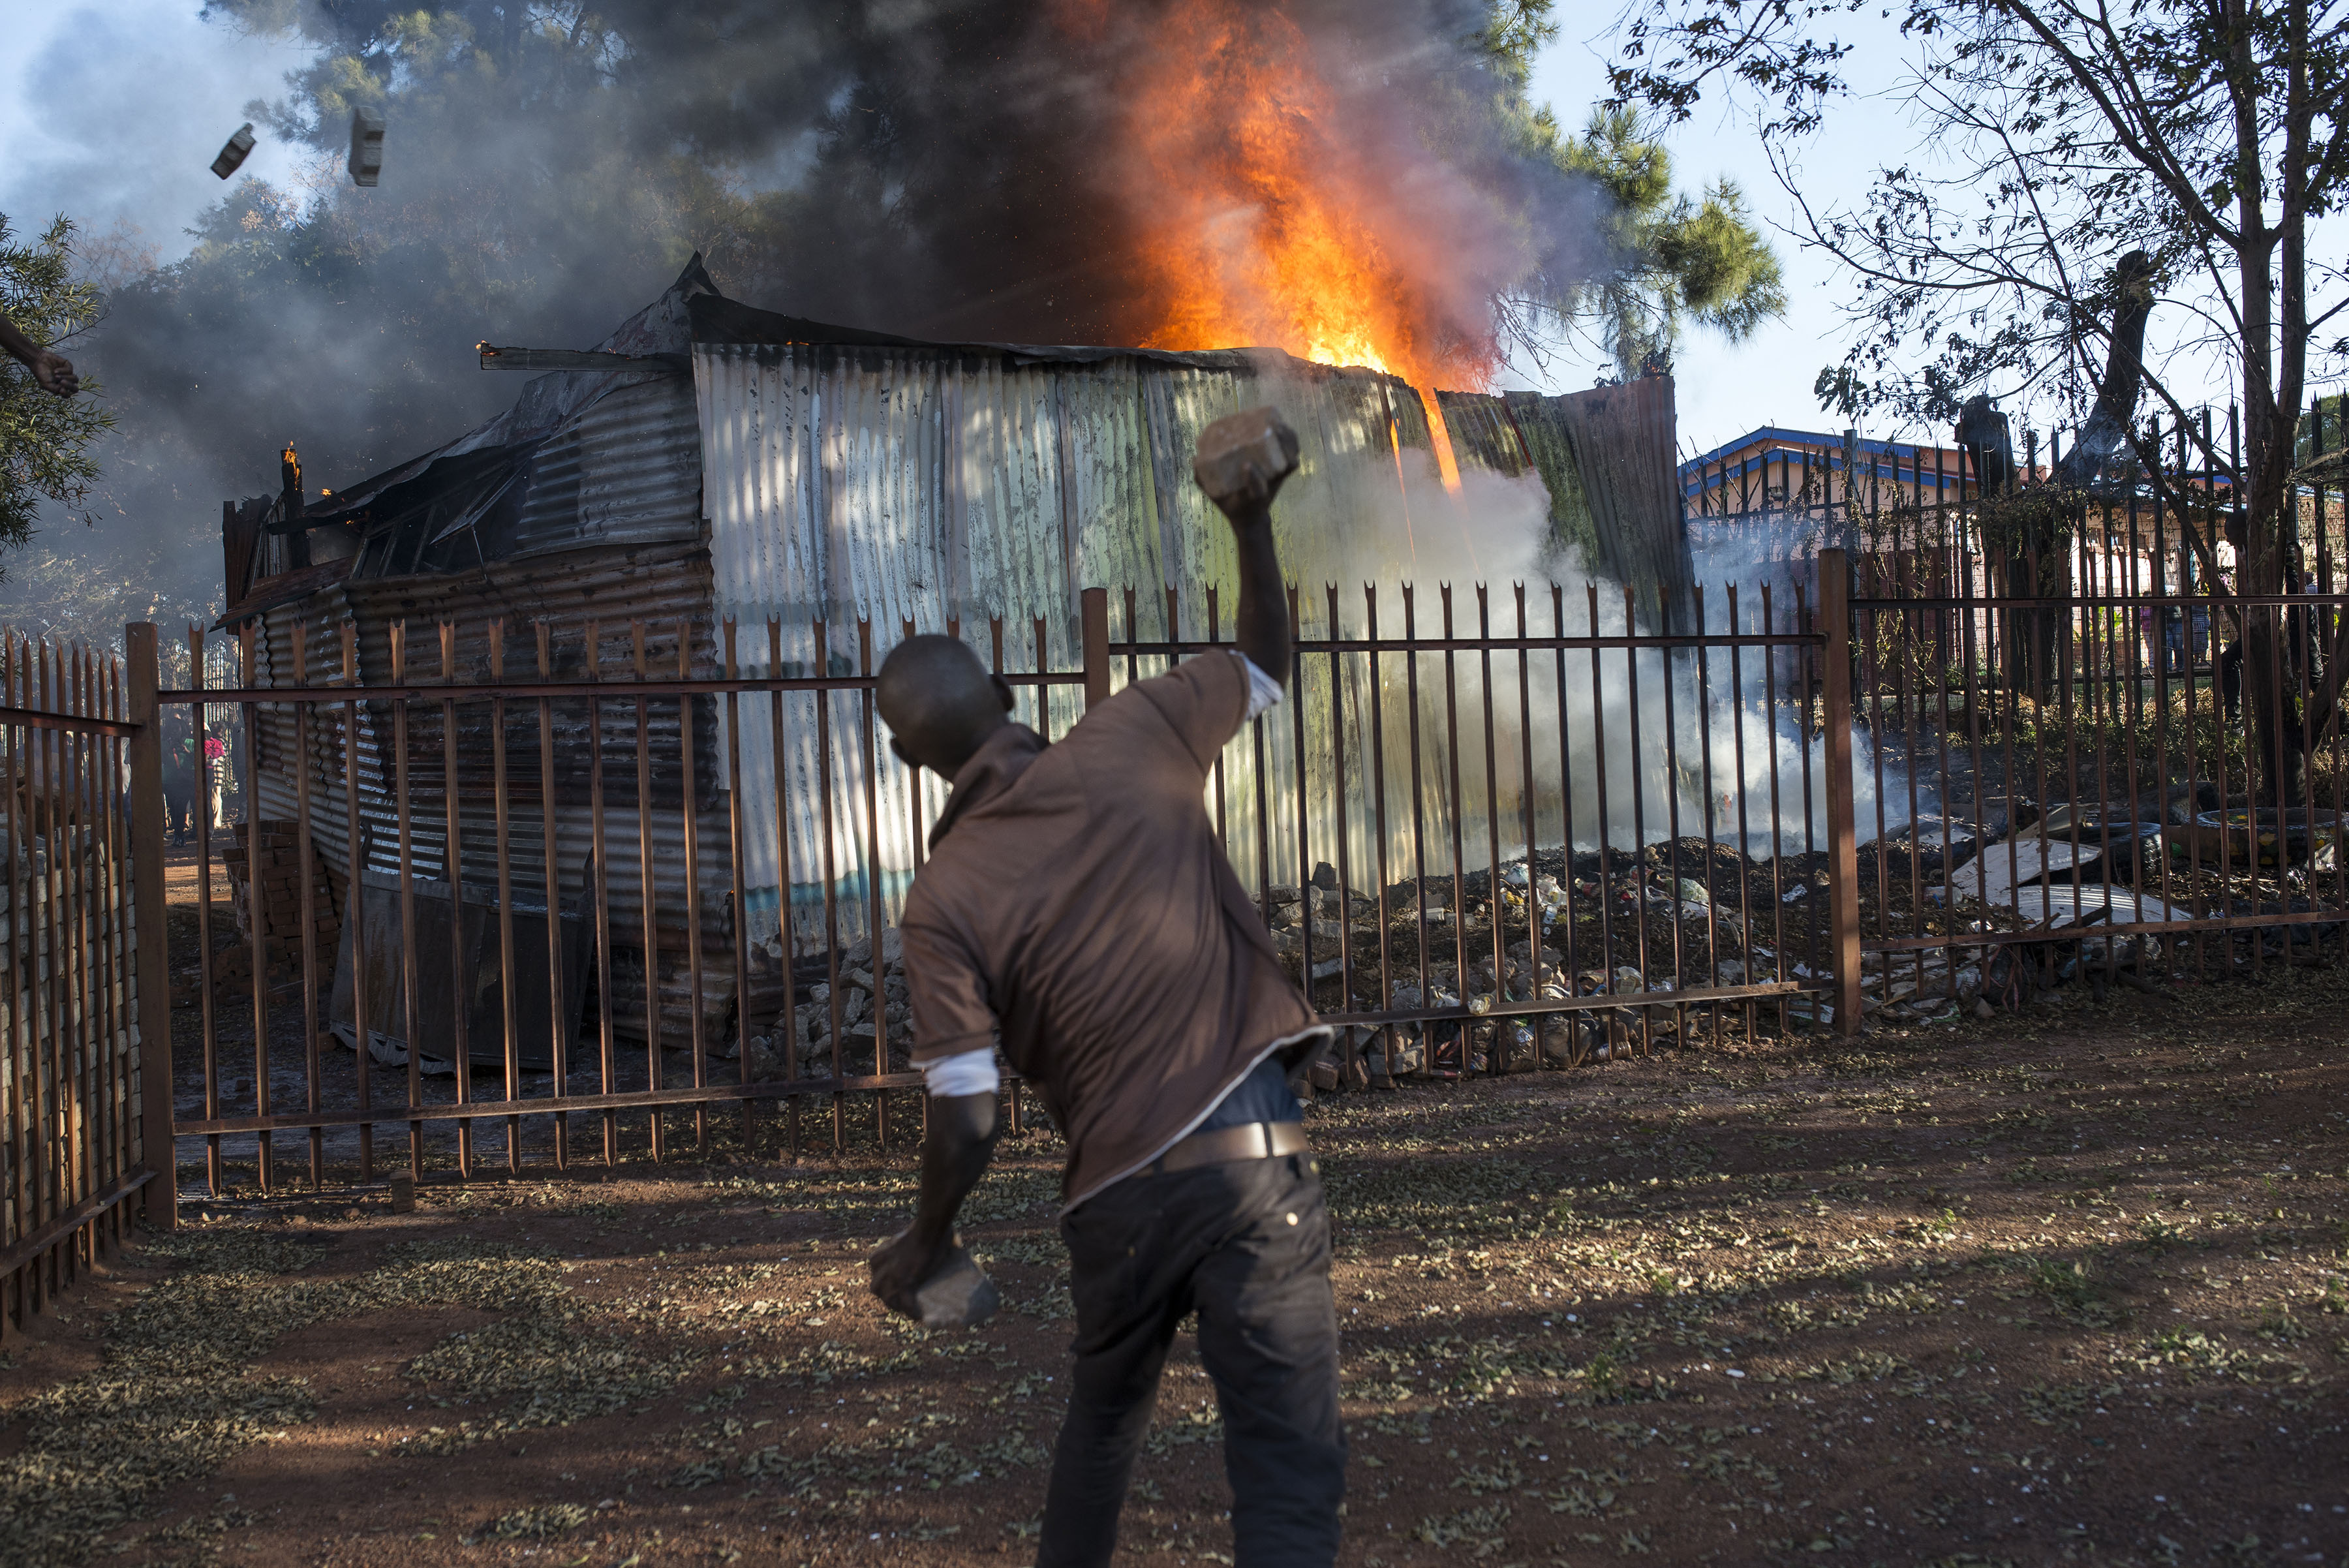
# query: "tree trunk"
{"points": [[2028, 665], [2271, 687]]}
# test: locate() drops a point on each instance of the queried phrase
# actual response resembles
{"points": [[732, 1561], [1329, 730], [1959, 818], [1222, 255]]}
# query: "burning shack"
{"points": [[713, 477]]}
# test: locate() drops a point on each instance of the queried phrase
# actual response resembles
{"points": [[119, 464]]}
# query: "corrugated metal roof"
{"points": [[627, 471]]}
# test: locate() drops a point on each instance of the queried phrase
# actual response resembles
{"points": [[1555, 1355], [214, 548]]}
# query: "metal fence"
{"points": [[553, 893], [79, 1119], [2085, 754], [575, 909]]}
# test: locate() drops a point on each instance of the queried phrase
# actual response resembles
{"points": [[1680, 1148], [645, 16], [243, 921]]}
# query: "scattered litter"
{"points": [[2058, 906]]}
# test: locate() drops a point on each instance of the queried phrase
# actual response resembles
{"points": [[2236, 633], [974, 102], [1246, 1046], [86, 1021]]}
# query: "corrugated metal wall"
{"points": [[925, 486], [667, 587], [628, 470]]}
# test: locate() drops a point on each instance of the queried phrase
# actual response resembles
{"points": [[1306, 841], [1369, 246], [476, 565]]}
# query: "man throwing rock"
{"points": [[1078, 902]]}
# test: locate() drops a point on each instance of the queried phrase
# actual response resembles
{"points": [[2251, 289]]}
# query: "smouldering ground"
{"points": [[2066, 1289]]}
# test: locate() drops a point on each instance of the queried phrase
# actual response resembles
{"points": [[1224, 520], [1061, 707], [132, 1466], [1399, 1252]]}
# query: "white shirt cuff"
{"points": [[963, 1073], [1263, 690]]}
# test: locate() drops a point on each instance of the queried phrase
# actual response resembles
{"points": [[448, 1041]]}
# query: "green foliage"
{"points": [[44, 439], [2327, 418], [2052, 141], [2040, 519], [1516, 31], [1697, 259], [1671, 259]]}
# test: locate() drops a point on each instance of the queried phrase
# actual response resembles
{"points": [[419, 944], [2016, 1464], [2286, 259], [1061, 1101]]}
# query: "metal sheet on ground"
{"points": [[1994, 875], [379, 923]]}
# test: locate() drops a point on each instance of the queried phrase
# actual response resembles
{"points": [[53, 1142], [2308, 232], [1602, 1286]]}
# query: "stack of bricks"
{"points": [[279, 902]]}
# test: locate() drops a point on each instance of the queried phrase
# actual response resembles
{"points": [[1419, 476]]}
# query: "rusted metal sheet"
{"points": [[625, 471], [376, 936], [1619, 444], [928, 483]]}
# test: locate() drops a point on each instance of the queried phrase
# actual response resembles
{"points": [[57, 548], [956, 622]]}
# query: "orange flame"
{"points": [[1263, 228]]}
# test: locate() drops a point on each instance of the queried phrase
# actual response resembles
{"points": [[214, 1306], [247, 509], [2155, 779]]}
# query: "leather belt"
{"points": [[1250, 1140]]}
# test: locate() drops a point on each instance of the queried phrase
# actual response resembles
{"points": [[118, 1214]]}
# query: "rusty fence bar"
{"points": [[78, 1112]]}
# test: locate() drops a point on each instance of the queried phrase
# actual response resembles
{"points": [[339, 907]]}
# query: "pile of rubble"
{"points": [[1683, 906], [874, 1019]]}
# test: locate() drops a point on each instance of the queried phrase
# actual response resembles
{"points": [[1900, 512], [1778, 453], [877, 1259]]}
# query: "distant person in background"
{"points": [[216, 753], [52, 370], [2173, 640], [178, 778]]}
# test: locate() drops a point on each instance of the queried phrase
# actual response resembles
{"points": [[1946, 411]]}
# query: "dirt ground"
{"points": [[2065, 1288]]}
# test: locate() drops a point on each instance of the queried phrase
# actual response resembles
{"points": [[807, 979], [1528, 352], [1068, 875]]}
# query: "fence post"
{"points": [[1842, 850], [151, 971], [1095, 607]]}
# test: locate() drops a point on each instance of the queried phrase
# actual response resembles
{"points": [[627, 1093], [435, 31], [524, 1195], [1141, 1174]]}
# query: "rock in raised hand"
{"points": [[1243, 457]]}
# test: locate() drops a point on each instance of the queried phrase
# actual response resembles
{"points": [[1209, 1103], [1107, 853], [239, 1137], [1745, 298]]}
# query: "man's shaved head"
{"points": [[939, 701]]}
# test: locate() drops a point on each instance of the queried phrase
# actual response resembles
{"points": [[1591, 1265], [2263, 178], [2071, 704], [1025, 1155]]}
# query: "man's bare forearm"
{"points": [[955, 1152], [1263, 621], [16, 344], [51, 370]]}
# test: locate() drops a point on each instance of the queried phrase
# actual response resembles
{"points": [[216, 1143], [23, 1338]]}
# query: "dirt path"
{"points": [[2070, 1289], [181, 878]]}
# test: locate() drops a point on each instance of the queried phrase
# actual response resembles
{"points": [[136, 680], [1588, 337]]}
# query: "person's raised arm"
{"points": [[1241, 462], [53, 370]]}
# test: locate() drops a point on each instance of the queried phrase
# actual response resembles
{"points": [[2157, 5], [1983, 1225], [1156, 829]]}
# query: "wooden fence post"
{"points": [[148, 940], [1842, 850], [1094, 603]]}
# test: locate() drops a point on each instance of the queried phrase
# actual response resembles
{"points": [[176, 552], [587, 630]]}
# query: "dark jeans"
{"points": [[1248, 1245]]}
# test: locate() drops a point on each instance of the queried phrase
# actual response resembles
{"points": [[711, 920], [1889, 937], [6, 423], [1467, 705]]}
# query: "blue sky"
{"points": [[112, 112], [1725, 390]]}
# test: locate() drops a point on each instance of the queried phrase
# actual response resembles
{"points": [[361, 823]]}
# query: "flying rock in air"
{"points": [[367, 145], [232, 155]]}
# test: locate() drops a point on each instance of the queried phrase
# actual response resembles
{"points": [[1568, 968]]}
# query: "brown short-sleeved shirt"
{"points": [[1077, 897]]}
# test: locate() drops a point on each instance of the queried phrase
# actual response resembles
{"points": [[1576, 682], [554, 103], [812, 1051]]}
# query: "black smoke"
{"points": [[942, 168]]}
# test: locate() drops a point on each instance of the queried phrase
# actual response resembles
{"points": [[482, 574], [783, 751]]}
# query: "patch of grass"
{"points": [[540, 1523], [173, 1398], [2073, 1292], [2198, 1355], [1478, 1528]]}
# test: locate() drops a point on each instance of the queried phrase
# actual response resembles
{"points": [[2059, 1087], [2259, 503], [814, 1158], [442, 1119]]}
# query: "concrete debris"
{"points": [[367, 145], [232, 154], [1245, 456]]}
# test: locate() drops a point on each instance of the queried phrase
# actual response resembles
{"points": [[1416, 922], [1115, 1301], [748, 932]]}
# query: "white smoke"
{"points": [[1620, 745]]}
